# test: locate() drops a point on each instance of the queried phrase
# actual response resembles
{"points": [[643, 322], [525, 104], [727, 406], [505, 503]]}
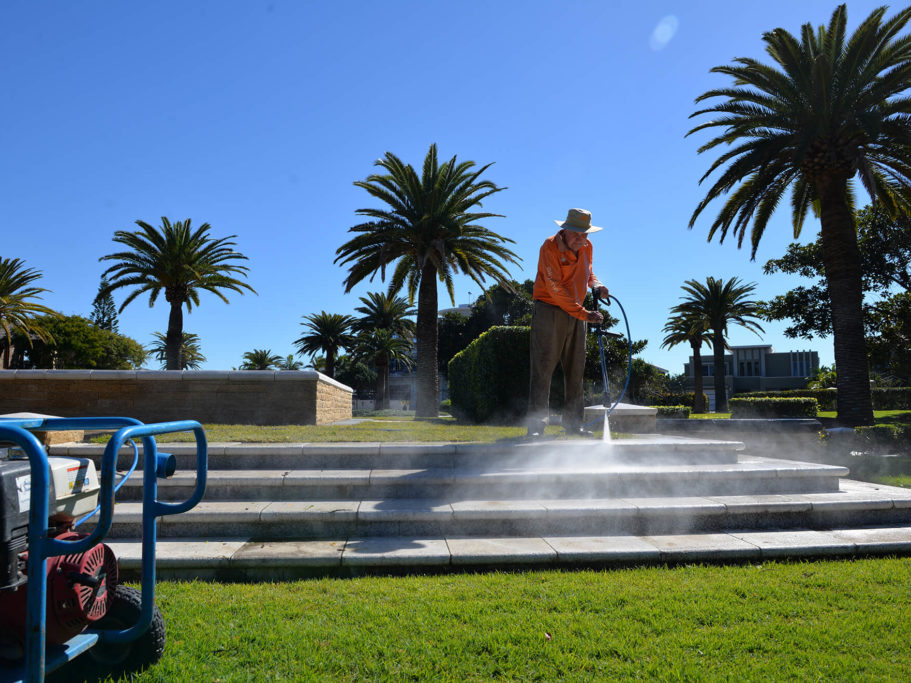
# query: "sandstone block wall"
{"points": [[260, 397]]}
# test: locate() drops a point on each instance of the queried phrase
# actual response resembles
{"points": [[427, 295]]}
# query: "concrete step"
{"points": [[608, 480], [235, 558], [854, 504], [651, 449]]}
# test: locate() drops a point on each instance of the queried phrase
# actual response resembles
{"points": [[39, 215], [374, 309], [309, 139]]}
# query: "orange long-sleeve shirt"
{"points": [[564, 276]]}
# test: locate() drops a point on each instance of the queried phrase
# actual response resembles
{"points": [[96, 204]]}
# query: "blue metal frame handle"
{"points": [[41, 547], [152, 508]]}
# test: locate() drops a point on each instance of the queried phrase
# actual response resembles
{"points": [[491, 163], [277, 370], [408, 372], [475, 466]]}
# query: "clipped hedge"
{"points": [[825, 398], [682, 412], [773, 407], [676, 399], [488, 380], [884, 398], [892, 398], [884, 438]]}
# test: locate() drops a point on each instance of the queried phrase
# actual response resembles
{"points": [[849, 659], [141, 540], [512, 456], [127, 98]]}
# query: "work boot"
{"points": [[536, 429]]}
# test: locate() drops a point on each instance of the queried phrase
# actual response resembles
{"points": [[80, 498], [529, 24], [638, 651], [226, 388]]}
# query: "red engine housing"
{"points": [[80, 588]]}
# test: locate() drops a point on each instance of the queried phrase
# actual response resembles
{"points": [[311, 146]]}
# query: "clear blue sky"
{"points": [[257, 116]]}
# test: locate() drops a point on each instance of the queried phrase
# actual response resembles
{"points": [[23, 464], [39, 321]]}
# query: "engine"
{"points": [[80, 586]]}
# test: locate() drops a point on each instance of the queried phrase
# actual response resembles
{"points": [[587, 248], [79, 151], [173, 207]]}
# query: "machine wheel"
{"points": [[120, 658]]}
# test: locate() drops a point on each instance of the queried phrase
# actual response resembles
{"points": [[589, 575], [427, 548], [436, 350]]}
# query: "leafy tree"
{"points": [[430, 230], [182, 262], [19, 303], [355, 372], [260, 359], [683, 328], [717, 304], [381, 346], [885, 250], [104, 310], [824, 379], [74, 342], [289, 363], [326, 332], [191, 357], [832, 107], [498, 305]]}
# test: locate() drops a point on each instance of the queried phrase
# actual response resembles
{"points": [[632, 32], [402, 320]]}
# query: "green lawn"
{"points": [[840, 620]]}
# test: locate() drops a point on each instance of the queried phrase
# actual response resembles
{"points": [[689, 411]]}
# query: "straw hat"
{"points": [[578, 220]]}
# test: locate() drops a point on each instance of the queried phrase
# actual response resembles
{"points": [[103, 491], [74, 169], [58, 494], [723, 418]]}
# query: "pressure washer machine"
{"points": [[60, 596]]}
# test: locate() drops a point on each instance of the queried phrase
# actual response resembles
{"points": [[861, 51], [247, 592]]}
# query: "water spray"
{"points": [[600, 332]]}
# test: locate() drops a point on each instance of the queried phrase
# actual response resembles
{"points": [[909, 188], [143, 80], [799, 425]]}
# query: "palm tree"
{"points": [[289, 363], [831, 108], [18, 305], [382, 346], [383, 312], [260, 359], [716, 304], [430, 230], [191, 357], [327, 332], [180, 261], [688, 329]]}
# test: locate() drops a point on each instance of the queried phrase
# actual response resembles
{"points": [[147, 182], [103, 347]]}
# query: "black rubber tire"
{"points": [[122, 658]]}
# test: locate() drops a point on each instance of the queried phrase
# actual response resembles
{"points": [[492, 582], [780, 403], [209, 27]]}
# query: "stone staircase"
{"points": [[280, 510]]}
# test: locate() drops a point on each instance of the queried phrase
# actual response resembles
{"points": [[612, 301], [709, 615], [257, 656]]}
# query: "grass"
{"points": [[838, 620], [371, 429]]}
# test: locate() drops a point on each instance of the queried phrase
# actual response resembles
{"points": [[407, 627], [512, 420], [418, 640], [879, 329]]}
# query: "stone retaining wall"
{"points": [[260, 397]]}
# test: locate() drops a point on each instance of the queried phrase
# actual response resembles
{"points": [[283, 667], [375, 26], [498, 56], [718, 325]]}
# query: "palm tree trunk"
{"points": [[174, 337], [381, 402], [698, 390], [427, 380], [841, 258], [721, 399]]}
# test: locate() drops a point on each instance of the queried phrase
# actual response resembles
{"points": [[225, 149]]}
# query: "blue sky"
{"points": [[257, 116]]}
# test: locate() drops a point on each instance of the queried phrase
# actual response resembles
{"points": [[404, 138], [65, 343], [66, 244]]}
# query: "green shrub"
{"points": [[446, 405], [773, 407], [884, 398], [825, 398], [488, 380], [682, 412], [891, 398], [884, 438], [676, 399]]}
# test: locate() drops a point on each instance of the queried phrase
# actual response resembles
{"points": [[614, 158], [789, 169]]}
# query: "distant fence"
{"points": [[260, 397]]}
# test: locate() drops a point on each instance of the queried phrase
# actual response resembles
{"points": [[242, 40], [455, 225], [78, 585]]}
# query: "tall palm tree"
{"points": [[327, 332], [182, 262], [832, 107], [682, 328], [18, 303], [260, 359], [384, 312], [382, 346], [191, 357], [430, 230], [717, 304]]}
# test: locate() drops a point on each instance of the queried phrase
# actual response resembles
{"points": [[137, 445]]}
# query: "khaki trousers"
{"points": [[556, 336]]}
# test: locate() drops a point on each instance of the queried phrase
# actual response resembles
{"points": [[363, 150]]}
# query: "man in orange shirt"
{"points": [[559, 321]]}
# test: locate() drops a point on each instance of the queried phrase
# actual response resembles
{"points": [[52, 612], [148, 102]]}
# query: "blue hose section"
{"points": [[116, 488], [629, 366]]}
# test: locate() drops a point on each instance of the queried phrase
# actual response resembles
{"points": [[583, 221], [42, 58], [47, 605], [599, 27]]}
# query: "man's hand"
{"points": [[595, 317], [603, 294]]}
